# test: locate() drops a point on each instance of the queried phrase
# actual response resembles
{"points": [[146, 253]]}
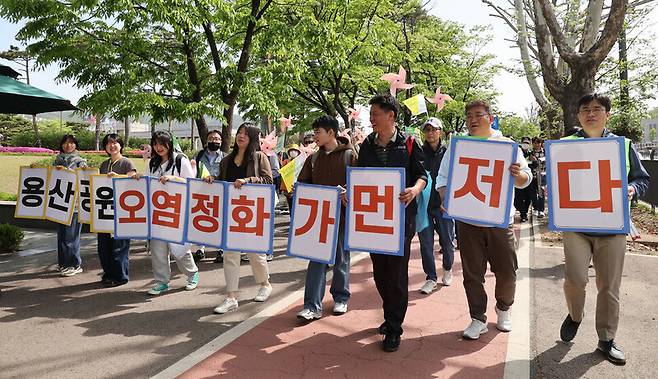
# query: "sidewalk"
{"points": [[349, 346]]}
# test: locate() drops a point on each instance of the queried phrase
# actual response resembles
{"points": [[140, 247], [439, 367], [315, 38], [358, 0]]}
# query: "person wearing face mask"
{"points": [[207, 163]]}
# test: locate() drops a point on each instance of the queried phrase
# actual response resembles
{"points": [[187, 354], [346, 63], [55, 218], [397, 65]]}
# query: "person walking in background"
{"points": [[245, 164], [69, 262], [207, 163], [114, 253], [445, 227]]}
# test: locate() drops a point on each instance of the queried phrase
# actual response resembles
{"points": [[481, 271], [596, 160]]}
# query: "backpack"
{"points": [[178, 161]]}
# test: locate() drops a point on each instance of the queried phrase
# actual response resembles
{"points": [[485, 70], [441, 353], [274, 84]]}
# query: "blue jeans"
{"points": [[445, 227], [316, 278], [68, 243], [114, 257]]}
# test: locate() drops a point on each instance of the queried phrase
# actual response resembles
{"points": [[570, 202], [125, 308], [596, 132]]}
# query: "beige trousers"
{"points": [[607, 253], [258, 264]]}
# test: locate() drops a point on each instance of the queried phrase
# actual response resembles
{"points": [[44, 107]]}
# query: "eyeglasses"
{"points": [[428, 130], [214, 140], [476, 115], [587, 111]]}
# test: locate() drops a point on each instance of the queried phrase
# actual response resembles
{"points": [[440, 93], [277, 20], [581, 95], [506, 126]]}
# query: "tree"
{"points": [[516, 128], [23, 58], [569, 53]]}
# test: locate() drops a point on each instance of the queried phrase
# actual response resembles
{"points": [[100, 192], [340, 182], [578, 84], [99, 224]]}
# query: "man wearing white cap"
{"points": [[445, 227]]}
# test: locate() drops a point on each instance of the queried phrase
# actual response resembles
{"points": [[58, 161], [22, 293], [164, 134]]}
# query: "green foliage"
{"points": [[11, 125], [516, 128], [4, 196], [652, 134], [11, 237], [51, 134], [93, 160]]}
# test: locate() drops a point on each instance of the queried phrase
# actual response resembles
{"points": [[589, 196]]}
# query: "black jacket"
{"points": [[398, 156], [432, 163]]}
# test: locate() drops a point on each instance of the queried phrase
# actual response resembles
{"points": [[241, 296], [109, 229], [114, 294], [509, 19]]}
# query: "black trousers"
{"points": [[391, 274]]}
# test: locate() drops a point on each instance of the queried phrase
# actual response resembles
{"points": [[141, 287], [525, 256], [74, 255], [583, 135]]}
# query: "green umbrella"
{"points": [[20, 98]]}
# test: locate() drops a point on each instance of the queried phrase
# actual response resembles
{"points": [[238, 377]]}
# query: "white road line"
{"points": [[517, 362], [234, 333]]}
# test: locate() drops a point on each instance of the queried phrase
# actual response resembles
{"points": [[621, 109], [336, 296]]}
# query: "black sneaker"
{"points": [[391, 342], [383, 328], [568, 329], [612, 352], [220, 257], [198, 255]]}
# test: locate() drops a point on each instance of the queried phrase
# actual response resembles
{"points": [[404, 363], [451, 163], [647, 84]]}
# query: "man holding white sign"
{"points": [[327, 167], [387, 146], [479, 243], [605, 250]]}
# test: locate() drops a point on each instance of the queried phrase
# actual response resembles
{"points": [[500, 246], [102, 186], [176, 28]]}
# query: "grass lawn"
{"points": [[10, 164]]}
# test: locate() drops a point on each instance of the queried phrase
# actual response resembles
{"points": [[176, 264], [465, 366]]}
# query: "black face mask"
{"points": [[213, 146]]}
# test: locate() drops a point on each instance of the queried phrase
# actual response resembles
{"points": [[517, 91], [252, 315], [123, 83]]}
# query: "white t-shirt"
{"points": [[185, 169]]}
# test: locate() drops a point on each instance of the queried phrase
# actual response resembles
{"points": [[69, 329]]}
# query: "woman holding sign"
{"points": [[245, 164], [113, 253], [68, 236], [167, 165]]}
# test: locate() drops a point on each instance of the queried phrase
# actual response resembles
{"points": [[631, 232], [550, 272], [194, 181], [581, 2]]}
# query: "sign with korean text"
{"points": [[60, 199], [131, 208], [480, 184], [167, 210], [314, 223], [205, 213], [31, 202], [375, 215], [250, 218], [588, 185], [102, 204], [84, 193]]}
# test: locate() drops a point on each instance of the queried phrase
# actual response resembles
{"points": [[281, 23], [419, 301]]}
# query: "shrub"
{"points": [[93, 160], [5, 196], [11, 237]]}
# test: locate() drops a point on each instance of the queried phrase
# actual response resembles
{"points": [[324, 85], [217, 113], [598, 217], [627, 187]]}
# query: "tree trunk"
{"points": [[624, 95], [98, 132], [126, 130], [35, 127], [195, 81]]}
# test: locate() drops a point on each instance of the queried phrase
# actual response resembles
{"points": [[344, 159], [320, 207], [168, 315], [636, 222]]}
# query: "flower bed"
{"points": [[25, 150]]}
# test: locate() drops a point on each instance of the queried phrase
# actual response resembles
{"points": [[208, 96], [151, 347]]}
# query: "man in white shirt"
{"points": [[481, 244]]}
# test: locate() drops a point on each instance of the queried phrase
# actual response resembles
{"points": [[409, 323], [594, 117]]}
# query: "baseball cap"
{"points": [[435, 122]]}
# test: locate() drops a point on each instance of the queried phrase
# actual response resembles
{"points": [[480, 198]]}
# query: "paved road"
{"points": [[638, 327], [72, 327]]}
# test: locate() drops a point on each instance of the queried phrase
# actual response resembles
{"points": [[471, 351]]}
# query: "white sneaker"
{"points": [[428, 287], [474, 330], [340, 308], [71, 271], [263, 293], [227, 305], [308, 315], [504, 323], [447, 277]]}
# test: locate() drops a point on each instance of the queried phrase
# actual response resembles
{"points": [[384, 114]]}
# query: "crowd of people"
{"points": [[426, 163]]}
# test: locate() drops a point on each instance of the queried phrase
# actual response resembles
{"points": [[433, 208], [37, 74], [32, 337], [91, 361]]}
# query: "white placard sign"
{"points": [[84, 193], [314, 223], [167, 210], [61, 199], [131, 208], [250, 218], [205, 213], [102, 204], [375, 215], [31, 202], [480, 184], [587, 185]]}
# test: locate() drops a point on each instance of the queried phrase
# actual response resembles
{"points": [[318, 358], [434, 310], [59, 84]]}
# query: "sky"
{"points": [[515, 96]]}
